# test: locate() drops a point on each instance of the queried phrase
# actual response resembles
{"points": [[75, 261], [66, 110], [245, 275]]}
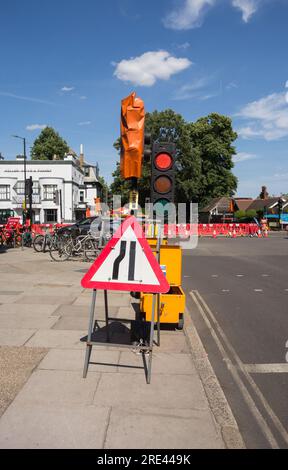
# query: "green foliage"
{"points": [[48, 144], [204, 157], [251, 213], [240, 214]]}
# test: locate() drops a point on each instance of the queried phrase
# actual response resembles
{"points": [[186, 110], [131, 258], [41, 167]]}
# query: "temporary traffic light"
{"points": [[56, 197], [132, 137], [163, 173], [29, 187]]}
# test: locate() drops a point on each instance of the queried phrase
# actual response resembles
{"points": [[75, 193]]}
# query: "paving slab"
{"points": [[8, 299], [73, 359], [135, 429], [16, 365], [84, 311], [45, 300], [53, 427], [163, 363], [173, 343], [165, 391], [71, 323], [60, 339], [54, 387], [13, 337], [10, 292], [126, 312], [115, 301], [28, 309], [20, 320]]}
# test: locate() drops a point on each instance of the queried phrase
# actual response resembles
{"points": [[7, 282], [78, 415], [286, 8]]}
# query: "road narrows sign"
{"points": [[127, 263]]}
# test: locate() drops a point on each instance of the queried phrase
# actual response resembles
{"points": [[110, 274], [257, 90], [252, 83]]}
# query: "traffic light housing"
{"points": [[29, 187], [163, 173], [132, 137], [56, 197], [280, 205]]}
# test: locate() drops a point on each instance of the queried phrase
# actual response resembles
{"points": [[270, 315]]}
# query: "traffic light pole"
{"points": [[61, 208]]}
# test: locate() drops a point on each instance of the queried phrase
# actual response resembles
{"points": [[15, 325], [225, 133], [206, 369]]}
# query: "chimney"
{"points": [[81, 158]]}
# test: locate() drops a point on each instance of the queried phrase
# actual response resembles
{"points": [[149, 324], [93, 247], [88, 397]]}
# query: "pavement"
{"points": [[45, 402], [237, 293]]}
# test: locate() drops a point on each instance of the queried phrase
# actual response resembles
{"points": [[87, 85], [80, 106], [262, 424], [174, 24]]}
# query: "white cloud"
{"points": [[83, 97], [189, 16], [243, 157], [184, 46], [84, 123], [267, 118], [35, 127], [247, 8], [66, 89], [146, 69]]}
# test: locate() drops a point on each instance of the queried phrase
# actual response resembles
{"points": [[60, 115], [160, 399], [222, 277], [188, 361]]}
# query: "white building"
{"points": [[62, 189]]}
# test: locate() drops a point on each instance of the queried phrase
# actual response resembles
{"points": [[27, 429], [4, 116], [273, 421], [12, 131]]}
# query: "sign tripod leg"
{"points": [[151, 340], [90, 330], [106, 316]]}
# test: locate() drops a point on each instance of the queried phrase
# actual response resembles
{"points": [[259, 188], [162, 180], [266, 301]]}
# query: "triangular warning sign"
{"points": [[127, 263]]}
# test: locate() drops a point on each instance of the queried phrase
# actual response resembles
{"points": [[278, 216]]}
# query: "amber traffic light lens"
{"points": [[162, 184], [163, 161]]}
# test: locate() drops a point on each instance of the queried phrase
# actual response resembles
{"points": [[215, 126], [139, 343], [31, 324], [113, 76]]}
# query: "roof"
{"points": [[243, 203], [259, 204], [223, 204]]}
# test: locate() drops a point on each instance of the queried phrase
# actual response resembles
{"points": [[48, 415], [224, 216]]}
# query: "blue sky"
{"points": [[69, 63]]}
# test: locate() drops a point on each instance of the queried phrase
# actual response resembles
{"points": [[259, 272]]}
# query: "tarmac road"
{"points": [[237, 295]]}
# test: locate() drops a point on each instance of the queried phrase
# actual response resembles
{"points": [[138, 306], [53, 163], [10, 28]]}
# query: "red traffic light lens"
{"points": [[163, 184], [163, 161]]}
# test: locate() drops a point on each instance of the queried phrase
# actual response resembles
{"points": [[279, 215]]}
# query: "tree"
{"points": [[212, 139], [204, 157], [240, 214], [251, 213], [48, 144]]}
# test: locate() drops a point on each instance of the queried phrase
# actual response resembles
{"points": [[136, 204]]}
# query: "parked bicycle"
{"points": [[85, 246], [41, 243]]}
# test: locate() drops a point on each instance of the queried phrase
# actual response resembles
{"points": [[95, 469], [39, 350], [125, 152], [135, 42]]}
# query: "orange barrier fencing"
{"points": [[211, 230]]}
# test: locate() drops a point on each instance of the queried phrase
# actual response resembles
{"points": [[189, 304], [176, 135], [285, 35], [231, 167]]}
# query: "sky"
{"points": [[69, 63]]}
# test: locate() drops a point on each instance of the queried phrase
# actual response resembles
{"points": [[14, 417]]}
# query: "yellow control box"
{"points": [[172, 304]]}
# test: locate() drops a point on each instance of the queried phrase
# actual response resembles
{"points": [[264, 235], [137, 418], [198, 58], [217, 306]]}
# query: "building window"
{"points": [[4, 192], [50, 216], [36, 188], [81, 197], [20, 188], [49, 191]]}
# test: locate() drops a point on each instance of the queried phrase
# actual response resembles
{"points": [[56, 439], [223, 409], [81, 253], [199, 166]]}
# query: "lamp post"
{"points": [[25, 158]]}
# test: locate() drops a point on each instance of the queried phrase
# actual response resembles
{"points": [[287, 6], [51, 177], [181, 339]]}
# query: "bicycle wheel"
{"points": [[91, 249], [57, 249], [38, 243]]}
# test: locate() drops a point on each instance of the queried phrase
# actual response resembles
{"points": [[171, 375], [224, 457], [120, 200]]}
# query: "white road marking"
{"points": [[215, 275], [265, 275], [246, 395], [258, 290], [267, 368], [239, 275], [225, 290]]}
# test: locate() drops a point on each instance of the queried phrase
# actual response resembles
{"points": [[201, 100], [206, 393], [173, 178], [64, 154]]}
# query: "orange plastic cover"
{"points": [[132, 136]]}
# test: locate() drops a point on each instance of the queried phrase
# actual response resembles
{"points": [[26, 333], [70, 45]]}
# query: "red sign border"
{"points": [[163, 287]]}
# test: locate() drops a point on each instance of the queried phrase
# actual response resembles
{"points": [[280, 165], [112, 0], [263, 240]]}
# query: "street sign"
{"points": [[127, 263]]}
